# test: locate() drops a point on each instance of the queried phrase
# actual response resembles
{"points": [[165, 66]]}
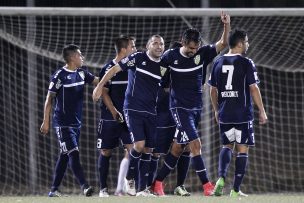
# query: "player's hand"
{"points": [[262, 117], [44, 129], [225, 18], [118, 117], [97, 93]]}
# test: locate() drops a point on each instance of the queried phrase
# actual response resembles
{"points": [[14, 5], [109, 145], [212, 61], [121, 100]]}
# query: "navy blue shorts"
{"points": [[111, 134], [164, 137], [187, 123], [238, 133], [142, 127], [68, 139]]}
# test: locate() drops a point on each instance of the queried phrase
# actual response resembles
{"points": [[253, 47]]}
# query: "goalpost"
{"points": [[31, 41]]}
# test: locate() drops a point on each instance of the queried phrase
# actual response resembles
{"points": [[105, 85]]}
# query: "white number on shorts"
{"points": [[63, 147], [99, 141]]}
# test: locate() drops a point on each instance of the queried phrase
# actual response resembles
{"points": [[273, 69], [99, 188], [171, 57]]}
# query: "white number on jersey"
{"points": [[229, 69]]}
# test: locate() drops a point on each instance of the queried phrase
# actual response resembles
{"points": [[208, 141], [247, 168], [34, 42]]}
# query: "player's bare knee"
{"points": [[139, 146], [195, 147], [177, 149], [230, 146], [242, 148]]}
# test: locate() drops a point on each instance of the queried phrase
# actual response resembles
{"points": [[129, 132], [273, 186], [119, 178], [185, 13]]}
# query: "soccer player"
{"points": [[144, 76], [166, 129], [233, 84], [66, 87], [187, 73], [112, 128]]}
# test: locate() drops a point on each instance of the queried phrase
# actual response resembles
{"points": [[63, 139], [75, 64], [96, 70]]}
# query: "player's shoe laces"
{"points": [[104, 192], [131, 187], [88, 191], [55, 193], [237, 194], [208, 189], [181, 191], [218, 189], [157, 188], [145, 193]]}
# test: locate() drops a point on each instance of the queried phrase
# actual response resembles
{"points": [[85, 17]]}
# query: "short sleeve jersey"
{"points": [[69, 86], [117, 87], [144, 78], [232, 75], [187, 75]]}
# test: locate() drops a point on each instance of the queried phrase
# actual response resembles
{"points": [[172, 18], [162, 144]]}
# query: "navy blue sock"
{"points": [[133, 166], [169, 164], [76, 167], [240, 169], [182, 168], [103, 168], [144, 165], [60, 169], [224, 161], [200, 168], [152, 170]]}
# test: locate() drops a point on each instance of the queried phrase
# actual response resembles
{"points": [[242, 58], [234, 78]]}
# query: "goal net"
{"points": [[31, 41]]}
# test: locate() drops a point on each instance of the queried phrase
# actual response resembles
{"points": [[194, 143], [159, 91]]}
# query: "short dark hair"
{"points": [[236, 36], [122, 42], [68, 51], [191, 35]]}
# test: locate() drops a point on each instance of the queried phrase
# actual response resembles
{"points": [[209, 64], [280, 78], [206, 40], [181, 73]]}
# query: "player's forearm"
{"points": [[214, 98], [115, 69], [47, 108], [257, 98], [223, 42]]}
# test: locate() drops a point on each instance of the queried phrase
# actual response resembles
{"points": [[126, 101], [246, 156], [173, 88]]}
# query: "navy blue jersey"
{"points": [[68, 86], [232, 75], [164, 116], [117, 87], [187, 75], [144, 78]]}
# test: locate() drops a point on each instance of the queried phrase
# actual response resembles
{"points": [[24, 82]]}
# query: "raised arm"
{"points": [[223, 42], [257, 99], [45, 126], [98, 89], [214, 101]]}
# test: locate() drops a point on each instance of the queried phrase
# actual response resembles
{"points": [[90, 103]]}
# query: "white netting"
{"points": [[31, 44]]}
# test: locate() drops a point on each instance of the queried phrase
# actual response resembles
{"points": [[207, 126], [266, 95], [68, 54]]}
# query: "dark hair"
{"points": [[191, 35], [175, 44], [122, 42], [236, 36], [68, 51]]}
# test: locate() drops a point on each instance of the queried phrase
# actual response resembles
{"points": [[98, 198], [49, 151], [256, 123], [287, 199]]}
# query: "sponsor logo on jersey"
{"points": [[58, 84], [143, 63], [69, 77], [131, 63], [175, 62], [197, 59]]}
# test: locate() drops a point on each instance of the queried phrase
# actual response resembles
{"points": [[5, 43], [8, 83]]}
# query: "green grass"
{"points": [[267, 198]]}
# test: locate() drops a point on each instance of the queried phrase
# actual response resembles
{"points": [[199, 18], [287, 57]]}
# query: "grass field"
{"points": [[267, 198]]}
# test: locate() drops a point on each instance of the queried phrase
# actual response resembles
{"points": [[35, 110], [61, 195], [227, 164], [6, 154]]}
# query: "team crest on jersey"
{"points": [[197, 59], [163, 70], [81, 73]]}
